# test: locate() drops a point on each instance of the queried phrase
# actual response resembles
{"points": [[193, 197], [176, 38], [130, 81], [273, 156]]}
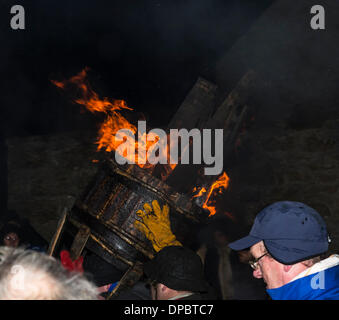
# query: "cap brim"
{"points": [[293, 251], [244, 243]]}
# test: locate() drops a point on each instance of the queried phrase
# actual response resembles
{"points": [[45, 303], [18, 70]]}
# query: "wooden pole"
{"points": [[58, 232], [128, 280]]}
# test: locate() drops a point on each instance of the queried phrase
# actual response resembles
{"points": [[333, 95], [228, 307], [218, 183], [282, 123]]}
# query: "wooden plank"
{"points": [[228, 111], [128, 280], [102, 243], [197, 107], [57, 233], [229, 116], [79, 242]]}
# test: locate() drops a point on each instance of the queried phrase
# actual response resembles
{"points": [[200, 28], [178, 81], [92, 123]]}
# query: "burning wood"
{"points": [[102, 220]]}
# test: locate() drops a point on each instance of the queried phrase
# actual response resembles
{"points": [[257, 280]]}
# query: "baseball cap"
{"points": [[291, 231]]}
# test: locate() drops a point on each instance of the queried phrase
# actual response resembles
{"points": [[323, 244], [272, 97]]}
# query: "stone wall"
{"points": [[47, 173], [290, 164], [291, 152]]}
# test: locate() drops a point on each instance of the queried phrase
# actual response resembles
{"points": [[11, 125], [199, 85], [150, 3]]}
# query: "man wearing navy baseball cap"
{"points": [[286, 241]]}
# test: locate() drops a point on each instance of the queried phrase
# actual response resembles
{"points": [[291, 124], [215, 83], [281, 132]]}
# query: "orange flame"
{"points": [[114, 120], [217, 187]]}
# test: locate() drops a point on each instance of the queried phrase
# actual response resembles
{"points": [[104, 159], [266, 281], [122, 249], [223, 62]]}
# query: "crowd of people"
{"points": [[284, 257]]}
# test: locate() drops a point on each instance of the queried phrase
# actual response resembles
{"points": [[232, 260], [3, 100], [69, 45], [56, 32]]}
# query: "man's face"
{"points": [[268, 269], [11, 240]]}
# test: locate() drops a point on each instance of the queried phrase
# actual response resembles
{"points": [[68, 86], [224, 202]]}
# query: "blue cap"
{"points": [[291, 231]]}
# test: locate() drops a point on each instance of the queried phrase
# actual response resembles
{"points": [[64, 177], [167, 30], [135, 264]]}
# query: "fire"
{"points": [[114, 120], [201, 192], [217, 187], [90, 98]]}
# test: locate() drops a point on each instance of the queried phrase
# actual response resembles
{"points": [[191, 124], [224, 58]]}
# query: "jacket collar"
{"points": [[180, 296], [322, 265], [321, 281]]}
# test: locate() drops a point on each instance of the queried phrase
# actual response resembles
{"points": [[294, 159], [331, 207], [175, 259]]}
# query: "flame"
{"points": [[217, 187], [114, 120], [90, 98], [201, 192]]}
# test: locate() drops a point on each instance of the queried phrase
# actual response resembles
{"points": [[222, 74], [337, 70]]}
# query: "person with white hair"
{"points": [[31, 275]]}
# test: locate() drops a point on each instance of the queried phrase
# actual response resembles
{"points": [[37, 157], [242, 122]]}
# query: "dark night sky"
{"points": [[148, 53]]}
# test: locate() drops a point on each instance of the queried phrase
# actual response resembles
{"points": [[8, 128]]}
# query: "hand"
{"points": [[156, 226]]}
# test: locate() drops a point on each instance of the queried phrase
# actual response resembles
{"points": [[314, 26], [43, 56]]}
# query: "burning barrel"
{"points": [[102, 219]]}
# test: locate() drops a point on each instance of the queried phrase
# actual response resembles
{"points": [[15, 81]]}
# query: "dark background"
{"points": [[148, 53]]}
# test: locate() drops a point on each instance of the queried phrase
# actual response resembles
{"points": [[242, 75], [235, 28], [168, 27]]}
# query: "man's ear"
{"points": [[287, 268]]}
